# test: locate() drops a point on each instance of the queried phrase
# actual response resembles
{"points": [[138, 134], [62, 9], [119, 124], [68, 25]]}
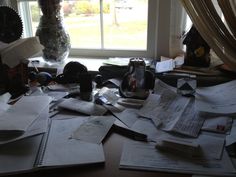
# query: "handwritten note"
{"points": [[95, 129]]}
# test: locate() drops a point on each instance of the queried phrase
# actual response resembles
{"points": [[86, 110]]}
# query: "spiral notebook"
{"points": [[54, 149]]}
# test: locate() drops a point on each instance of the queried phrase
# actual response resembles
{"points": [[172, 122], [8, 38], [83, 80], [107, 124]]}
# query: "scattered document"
{"points": [[179, 147], [39, 126], [168, 64], [94, 129], [171, 112], [221, 124], [63, 87], [122, 129], [144, 156], [83, 107], [161, 86], [179, 61], [210, 146], [128, 116], [107, 96], [61, 150], [19, 50], [165, 66], [19, 156], [117, 61], [22, 114], [150, 104], [146, 126], [188, 123], [56, 96], [62, 115], [217, 99]]}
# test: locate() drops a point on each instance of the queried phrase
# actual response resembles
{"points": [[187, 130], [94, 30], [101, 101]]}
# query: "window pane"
{"points": [[125, 27], [35, 15], [124, 23], [82, 21]]}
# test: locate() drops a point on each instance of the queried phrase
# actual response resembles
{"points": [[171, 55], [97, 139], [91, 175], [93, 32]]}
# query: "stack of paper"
{"points": [[83, 107], [212, 158], [25, 118], [12, 54], [170, 115]]}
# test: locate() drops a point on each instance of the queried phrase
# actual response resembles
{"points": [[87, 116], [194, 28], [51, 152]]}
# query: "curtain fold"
{"points": [[213, 30], [228, 12], [233, 5]]}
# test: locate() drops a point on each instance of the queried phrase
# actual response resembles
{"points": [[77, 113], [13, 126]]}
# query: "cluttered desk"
{"points": [[167, 133], [68, 125]]}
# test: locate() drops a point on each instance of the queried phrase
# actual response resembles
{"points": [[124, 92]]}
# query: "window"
{"points": [[110, 27]]}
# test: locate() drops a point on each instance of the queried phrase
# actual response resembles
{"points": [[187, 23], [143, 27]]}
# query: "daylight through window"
{"points": [[101, 24]]}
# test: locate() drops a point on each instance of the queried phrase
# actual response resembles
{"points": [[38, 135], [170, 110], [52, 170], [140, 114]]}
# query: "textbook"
{"points": [[53, 149]]}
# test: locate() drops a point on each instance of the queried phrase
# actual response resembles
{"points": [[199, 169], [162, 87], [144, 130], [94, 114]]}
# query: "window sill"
{"points": [[92, 64]]}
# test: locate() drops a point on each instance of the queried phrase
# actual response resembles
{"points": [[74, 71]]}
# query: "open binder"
{"points": [[52, 149]]}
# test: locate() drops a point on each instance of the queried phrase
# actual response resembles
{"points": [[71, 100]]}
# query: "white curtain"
{"points": [[221, 38]]}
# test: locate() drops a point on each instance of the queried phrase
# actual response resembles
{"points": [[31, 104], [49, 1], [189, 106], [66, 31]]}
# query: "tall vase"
{"points": [[51, 31]]}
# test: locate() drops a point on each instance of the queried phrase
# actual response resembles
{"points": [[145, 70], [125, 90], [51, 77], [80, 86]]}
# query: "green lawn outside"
{"points": [[84, 31]]}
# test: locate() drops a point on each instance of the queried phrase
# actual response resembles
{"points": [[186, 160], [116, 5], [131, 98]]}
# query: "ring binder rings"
{"points": [[52, 149]]}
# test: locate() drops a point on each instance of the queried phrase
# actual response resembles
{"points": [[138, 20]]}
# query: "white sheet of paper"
{"points": [[23, 113], [109, 95], [117, 61], [40, 125], [128, 116], [150, 104], [221, 124], [165, 66], [139, 155], [212, 146], [217, 99], [147, 127], [161, 86], [172, 112], [62, 150], [94, 129], [179, 61], [20, 49], [84, 107], [189, 122]]}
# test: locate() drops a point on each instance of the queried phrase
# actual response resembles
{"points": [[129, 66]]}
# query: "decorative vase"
{"points": [[51, 31]]}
